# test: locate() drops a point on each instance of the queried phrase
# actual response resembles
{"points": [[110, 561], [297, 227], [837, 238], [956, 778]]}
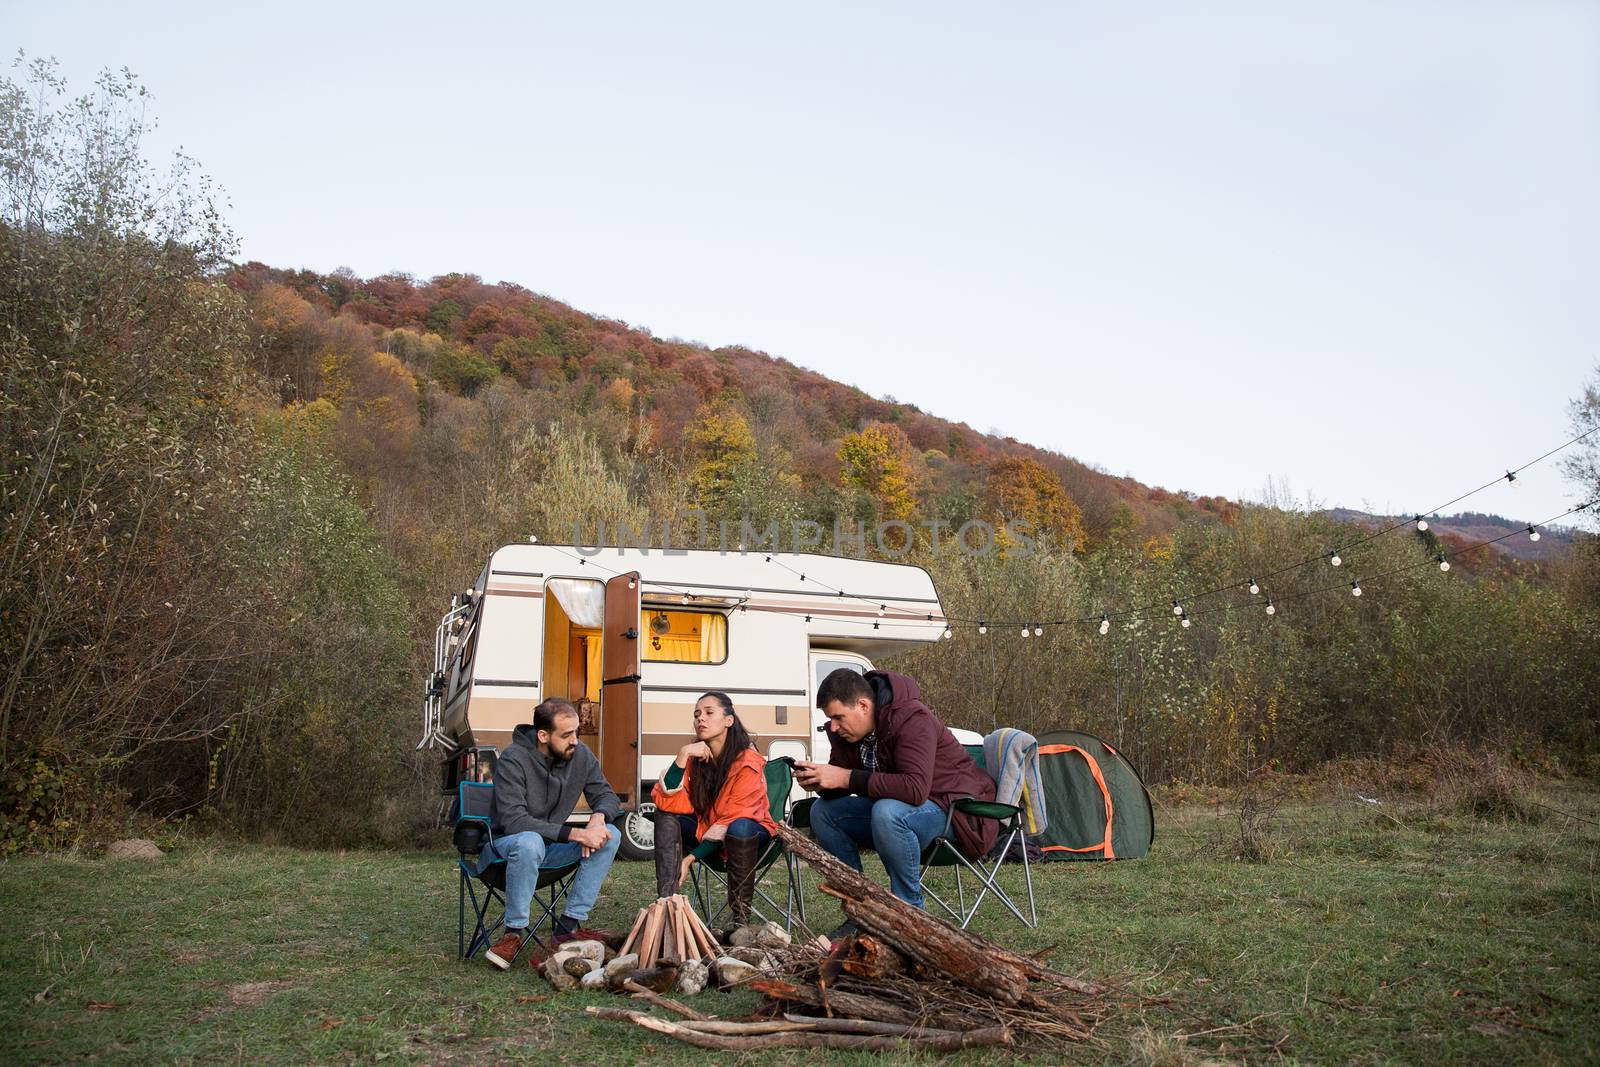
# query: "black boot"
{"points": [[741, 854], [669, 852]]}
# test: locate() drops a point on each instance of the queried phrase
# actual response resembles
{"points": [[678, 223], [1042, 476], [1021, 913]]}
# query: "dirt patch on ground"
{"points": [[253, 994]]}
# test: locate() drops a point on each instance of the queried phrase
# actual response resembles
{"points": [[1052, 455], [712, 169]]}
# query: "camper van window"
{"points": [[683, 636]]}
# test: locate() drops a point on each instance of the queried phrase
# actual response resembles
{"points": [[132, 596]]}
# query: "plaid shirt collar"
{"points": [[869, 752]]}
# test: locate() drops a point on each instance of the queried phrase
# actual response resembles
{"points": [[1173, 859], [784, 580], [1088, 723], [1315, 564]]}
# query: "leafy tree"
{"points": [[878, 460], [1025, 490]]}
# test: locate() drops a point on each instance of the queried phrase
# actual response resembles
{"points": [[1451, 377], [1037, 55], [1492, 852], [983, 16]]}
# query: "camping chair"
{"points": [[473, 810], [943, 851], [713, 873]]}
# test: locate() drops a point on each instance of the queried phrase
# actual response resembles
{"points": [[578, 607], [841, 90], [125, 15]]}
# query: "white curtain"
{"points": [[583, 601]]}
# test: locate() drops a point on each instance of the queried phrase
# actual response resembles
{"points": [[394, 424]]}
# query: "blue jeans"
{"points": [[736, 828], [897, 830], [526, 852]]}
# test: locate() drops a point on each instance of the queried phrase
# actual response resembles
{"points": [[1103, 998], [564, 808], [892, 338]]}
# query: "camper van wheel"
{"points": [[639, 833]]}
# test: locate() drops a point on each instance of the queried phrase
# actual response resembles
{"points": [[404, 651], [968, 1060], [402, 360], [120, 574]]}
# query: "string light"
{"points": [[1105, 623], [1422, 523], [808, 618], [1038, 630], [880, 610], [1511, 476], [1177, 608], [1186, 622], [1272, 609], [1255, 589], [1355, 588], [1444, 564], [532, 539], [983, 627], [1533, 535], [948, 632], [685, 598], [1335, 559], [632, 584], [1025, 630]]}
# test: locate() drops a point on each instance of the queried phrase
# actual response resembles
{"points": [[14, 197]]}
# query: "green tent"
{"points": [[1097, 805]]}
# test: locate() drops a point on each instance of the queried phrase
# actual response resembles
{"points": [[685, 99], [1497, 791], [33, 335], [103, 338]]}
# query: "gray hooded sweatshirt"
{"points": [[536, 792]]}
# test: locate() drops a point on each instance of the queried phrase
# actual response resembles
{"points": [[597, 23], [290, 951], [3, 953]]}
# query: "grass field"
{"points": [[1360, 934]]}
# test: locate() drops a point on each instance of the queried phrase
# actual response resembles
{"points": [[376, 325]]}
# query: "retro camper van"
{"points": [[633, 636]]}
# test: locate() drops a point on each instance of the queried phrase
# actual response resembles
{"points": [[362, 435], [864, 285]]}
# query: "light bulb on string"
{"points": [[1255, 587], [532, 539], [1444, 564], [1177, 608], [1105, 623], [633, 583], [1025, 630], [1186, 622], [1272, 609], [983, 627], [948, 632], [880, 610], [1355, 588], [1533, 535], [1038, 631], [1422, 523], [685, 598], [1511, 476], [1335, 559]]}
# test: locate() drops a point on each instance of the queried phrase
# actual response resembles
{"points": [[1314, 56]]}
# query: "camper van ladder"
{"points": [[433, 696]]}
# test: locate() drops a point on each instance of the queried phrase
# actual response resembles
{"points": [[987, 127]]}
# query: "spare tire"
{"points": [[638, 833]]}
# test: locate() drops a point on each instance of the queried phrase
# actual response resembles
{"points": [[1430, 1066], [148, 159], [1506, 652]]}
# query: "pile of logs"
{"points": [[669, 929], [906, 980]]}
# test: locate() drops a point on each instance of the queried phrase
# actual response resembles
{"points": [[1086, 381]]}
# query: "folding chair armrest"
{"points": [[800, 813], [985, 809]]}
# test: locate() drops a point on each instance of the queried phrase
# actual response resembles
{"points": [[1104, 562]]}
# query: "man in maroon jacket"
{"points": [[894, 771]]}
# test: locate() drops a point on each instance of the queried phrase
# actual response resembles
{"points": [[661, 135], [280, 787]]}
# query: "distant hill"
{"points": [[458, 334], [1475, 527]]}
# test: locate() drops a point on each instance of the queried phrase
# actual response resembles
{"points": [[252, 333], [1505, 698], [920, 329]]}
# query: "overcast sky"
{"points": [[1350, 248]]}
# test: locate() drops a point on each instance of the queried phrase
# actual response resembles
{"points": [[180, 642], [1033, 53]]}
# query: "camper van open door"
{"points": [[620, 695], [619, 688]]}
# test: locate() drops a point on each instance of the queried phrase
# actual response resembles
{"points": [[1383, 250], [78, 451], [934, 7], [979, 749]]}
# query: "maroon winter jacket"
{"points": [[919, 759]]}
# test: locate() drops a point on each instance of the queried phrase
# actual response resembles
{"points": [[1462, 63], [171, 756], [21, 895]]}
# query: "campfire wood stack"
{"points": [[907, 980], [670, 929]]}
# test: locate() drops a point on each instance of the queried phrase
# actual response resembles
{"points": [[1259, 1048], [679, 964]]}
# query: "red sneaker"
{"points": [[505, 950]]}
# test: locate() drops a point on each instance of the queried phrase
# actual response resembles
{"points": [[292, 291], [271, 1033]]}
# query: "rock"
{"points": [[579, 967], [658, 979], [692, 976], [621, 965], [588, 950], [595, 979], [133, 848], [755, 957], [731, 972], [610, 955], [557, 964], [563, 981], [772, 936], [742, 936]]}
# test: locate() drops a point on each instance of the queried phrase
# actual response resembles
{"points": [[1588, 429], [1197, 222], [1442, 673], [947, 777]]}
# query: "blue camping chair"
{"points": [[714, 871], [472, 834]]}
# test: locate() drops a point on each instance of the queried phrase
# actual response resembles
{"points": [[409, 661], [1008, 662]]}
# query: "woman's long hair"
{"points": [[710, 775]]}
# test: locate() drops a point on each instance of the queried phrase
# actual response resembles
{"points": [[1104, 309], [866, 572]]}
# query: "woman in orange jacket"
{"points": [[713, 796]]}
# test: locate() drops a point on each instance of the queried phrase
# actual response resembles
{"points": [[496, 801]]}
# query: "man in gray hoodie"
{"points": [[537, 782]]}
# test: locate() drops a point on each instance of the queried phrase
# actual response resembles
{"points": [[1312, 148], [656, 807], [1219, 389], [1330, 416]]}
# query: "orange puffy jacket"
{"points": [[743, 796]]}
